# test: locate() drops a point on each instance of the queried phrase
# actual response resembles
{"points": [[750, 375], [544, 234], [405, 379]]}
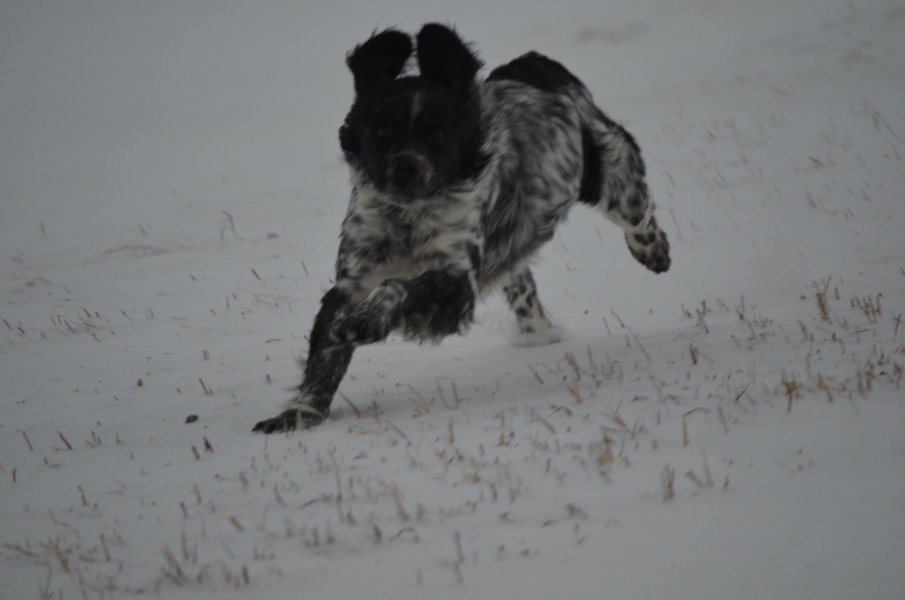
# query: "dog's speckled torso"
{"points": [[456, 184]]}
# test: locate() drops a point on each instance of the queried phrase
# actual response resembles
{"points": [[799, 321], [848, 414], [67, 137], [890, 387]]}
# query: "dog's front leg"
{"points": [[327, 362]]}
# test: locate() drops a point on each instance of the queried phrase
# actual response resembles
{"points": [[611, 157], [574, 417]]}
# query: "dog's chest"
{"points": [[432, 236], [404, 242]]}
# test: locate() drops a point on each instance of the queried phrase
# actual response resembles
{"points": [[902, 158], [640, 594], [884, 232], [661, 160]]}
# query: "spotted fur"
{"points": [[456, 183]]}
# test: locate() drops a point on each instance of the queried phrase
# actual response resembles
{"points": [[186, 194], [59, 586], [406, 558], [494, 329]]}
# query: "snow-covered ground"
{"points": [[170, 197]]}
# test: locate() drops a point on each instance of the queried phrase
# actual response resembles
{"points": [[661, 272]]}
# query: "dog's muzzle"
{"points": [[408, 173]]}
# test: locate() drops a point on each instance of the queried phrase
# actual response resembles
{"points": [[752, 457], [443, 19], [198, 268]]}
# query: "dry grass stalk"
{"points": [[27, 441], [338, 497], [821, 384], [63, 437], [866, 378], [592, 363], [458, 572], [575, 393], [667, 483], [459, 559], [173, 570], [456, 399], [823, 306], [44, 592], [358, 413], [504, 439], [707, 482], [852, 402], [536, 417], [232, 226], [708, 478], [394, 493], [207, 391], [570, 358], [634, 337], [693, 352], [694, 479], [235, 523], [189, 553], [393, 426], [607, 325], [793, 391], [684, 431], [104, 548], [422, 406], [722, 415], [442, 395]]}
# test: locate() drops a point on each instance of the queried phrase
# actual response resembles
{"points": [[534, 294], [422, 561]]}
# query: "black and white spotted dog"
{"points": [[458, 182]]}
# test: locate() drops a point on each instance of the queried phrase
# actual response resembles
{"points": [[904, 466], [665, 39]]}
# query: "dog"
{"points": [[456, 184]]}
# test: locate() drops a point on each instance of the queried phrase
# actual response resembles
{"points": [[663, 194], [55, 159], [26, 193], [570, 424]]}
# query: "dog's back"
{"points": [[551, 146]]}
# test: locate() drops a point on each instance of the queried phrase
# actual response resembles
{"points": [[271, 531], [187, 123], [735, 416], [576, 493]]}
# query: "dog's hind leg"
{"points": [[534, 327], [613, 181]]}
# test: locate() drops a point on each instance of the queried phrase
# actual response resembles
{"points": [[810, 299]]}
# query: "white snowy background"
{"points": [[171, 191]]}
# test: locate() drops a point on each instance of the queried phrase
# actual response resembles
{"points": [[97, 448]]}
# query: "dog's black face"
{"points": [[414, 137], [410, 145]]}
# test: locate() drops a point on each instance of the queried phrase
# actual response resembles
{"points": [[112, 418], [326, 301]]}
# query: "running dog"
{"points": [[456, 184]]}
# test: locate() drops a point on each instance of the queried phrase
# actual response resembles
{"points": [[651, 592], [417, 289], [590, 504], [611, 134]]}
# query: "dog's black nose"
{"points": [[405, 171]]}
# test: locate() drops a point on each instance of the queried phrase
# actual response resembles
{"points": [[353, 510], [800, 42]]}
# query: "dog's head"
{"points": [[413, 137]]}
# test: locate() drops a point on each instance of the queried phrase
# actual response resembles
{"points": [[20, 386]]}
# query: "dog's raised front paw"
{"points": [[361, 327]]}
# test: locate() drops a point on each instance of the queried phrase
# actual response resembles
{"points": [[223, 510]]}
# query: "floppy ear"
{"points": [[380, 59], [444, 57]]}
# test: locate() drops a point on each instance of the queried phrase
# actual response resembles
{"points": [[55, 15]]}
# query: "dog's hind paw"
{"points": [[541, 336], [650, 248]]}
